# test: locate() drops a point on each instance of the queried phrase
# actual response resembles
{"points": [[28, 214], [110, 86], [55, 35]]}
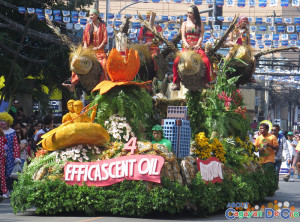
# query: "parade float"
{"points": [[111, 167]]}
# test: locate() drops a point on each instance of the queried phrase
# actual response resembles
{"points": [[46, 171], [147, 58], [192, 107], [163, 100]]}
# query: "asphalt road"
{"points": [[288, 191]]}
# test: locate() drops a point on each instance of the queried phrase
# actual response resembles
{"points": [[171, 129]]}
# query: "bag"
{"points": [[17, 169]]}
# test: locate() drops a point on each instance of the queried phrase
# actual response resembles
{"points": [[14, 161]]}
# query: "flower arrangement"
{"points": [[202, 148], [218, 150], [77, 153], [118, 128], [40, 152], [227, 100], [241, 111]]}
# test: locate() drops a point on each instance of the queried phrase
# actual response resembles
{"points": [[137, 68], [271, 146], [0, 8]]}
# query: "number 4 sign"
{"points": [[131, 145]]}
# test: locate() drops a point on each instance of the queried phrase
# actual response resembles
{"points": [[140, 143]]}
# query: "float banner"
{"points": [[107, 172], [210, 169]]}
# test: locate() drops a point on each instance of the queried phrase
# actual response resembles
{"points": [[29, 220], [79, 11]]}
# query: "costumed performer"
{"points": [[240, 37], [13, 148], [146, 37], [95, 36], [2, 164], [192, 32], [158, 137]]}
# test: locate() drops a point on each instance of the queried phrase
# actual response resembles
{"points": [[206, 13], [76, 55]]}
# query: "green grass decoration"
{"points": [[131, 198]]}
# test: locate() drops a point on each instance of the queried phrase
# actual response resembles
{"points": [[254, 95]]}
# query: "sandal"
{"points": [[175, 86]]}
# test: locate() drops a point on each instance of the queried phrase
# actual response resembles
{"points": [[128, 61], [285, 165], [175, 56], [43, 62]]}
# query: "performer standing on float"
{"points": [[95, 36], [146, 37], [192, 32]]}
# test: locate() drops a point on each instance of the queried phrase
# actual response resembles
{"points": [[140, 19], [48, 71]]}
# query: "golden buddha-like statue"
{"points": [[78, 117], [70, 115]]}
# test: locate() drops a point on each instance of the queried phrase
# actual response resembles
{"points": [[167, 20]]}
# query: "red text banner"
{"points": [[210, 169], [107, 172]]}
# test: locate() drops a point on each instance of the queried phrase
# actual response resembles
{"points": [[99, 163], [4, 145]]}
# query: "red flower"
{"points": [[227, 101], [40, 152], [237, 97]]}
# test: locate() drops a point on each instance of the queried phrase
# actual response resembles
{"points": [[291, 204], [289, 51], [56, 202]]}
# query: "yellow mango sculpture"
{"points": [[75, 134], [77, 130]]}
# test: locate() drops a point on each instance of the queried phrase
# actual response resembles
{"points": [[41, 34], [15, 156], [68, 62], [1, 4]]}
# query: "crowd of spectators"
{"points": [[26, 132]]}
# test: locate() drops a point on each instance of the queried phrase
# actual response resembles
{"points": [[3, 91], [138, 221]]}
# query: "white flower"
{"points": [[80, 159], [126, 137], [119, 137], [115, 135]]}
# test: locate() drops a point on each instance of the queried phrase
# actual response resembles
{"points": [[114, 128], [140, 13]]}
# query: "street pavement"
{"points": [[288, 191]]}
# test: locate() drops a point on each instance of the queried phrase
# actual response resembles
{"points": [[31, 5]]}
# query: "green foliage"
{"points": [[134, 198], [196, 112], [219, 109], [247, 187], [128, 198], [131, 102]]}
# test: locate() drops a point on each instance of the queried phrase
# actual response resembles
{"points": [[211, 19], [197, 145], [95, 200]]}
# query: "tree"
{"points": [[28, 48]]}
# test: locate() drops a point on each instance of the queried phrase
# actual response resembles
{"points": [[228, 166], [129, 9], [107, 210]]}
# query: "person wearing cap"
{"points": [[158, 137], [13, 109], [291, 152], [94, 36], [267, 145], [283, 146], [146, 37]]}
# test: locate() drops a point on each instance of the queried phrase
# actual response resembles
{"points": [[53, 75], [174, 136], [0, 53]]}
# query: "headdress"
{"points": [[241, 19], [95, 11], [7, 118], [190, 9], [148, 13], [158, 128]]}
